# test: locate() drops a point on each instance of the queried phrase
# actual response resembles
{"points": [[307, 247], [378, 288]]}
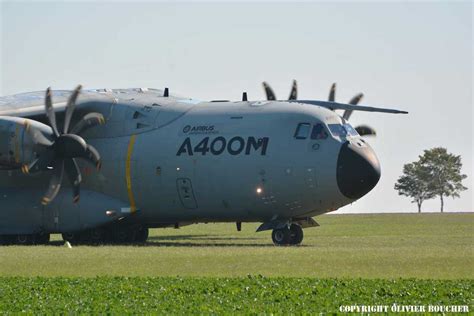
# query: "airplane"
{"points": [[106, 165]]}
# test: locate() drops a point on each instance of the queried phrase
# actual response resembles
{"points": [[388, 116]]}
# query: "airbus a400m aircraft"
{"points": [[134, 159]]}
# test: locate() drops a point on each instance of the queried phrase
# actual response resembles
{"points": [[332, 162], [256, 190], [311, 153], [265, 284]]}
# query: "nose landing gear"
{"points": [[288, 236]]}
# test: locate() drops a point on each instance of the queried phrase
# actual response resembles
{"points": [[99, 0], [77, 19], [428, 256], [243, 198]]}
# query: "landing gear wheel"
{"points": [[73, 238], [286, 236], [123, 235], [296, 234], [42, 239], [97, 236], [281, 236], [141, 235], [24, 239], [6, 240]]}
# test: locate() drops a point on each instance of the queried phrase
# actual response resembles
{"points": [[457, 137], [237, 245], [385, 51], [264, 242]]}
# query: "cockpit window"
{"points": [[319, 132], [337, 130], [350, 130], [302, 130], [342, 130]]}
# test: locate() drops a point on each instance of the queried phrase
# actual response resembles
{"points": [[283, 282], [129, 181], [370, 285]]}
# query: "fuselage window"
{"points": [[302, 130], [319, 132]]}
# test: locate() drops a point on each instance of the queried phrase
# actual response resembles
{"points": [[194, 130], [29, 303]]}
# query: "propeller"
{"points": [[363, 130], [269, 91], [271, 95], [294, 91], [62, 149], [332, 93], [354, 101]]}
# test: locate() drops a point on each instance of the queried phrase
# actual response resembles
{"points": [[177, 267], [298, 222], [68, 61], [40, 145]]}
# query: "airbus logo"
{"points": [[186, 129], [199, 129]]}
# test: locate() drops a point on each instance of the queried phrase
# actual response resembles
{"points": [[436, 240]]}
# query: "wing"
{"points": [[344, 106], [31, 103]]}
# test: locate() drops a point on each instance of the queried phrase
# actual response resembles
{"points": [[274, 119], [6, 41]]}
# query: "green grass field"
{"points": [[350, 259], [435, 246], [250, 295]]}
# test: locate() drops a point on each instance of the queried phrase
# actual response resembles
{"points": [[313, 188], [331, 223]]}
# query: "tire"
{"points": [[42, 239], [281, 236], [123, 235], [23, 239], [141, 235], [296, 234], [6, 240], [73, 238], [98, 236]]}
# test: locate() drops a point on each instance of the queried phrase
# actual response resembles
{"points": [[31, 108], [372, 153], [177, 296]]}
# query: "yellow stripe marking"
{"points": [[128, 177]]}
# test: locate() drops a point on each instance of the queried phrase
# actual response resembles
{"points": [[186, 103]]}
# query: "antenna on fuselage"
{"points": [[166, 93]]}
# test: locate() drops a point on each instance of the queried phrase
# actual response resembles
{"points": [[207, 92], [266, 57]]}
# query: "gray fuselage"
{"points": [[173, 160]]}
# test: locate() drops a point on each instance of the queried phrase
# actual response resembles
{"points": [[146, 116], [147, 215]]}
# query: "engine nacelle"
{"points": [[16, 146]]}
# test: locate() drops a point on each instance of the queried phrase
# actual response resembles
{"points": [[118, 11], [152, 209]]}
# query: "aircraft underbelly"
{"points": [[21, 212]]}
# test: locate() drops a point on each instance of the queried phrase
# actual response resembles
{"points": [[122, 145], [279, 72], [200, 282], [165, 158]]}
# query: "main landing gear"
{"points": [[25, 239], [109, 235], [288, 235]]}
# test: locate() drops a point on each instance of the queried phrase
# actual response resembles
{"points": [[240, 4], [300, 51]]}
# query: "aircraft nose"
{"points": [[358, 170]]}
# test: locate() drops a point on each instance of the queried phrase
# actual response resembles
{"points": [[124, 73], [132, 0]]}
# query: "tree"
{"points": [[414, 183], [444, 169]]}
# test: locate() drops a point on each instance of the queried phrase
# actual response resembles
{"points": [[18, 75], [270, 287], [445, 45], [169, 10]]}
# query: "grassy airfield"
{"points": [[349, 259], [439, 246]]}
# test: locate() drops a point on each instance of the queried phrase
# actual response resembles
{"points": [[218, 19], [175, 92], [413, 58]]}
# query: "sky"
{"points": [[405, 55]]}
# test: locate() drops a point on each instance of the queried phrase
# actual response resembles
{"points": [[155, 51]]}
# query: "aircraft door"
{"points": [[186, 193]]}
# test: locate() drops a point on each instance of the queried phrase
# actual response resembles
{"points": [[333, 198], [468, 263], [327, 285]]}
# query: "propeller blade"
{"points": [[294, 91], [269, 92], [92, 156], [365, 130], [62, 150], [39, 164], [354, 101], [36, 135], [88, 121], [332, 93], [50, 112], [74, 174], [55, 182], [71, 105]]}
